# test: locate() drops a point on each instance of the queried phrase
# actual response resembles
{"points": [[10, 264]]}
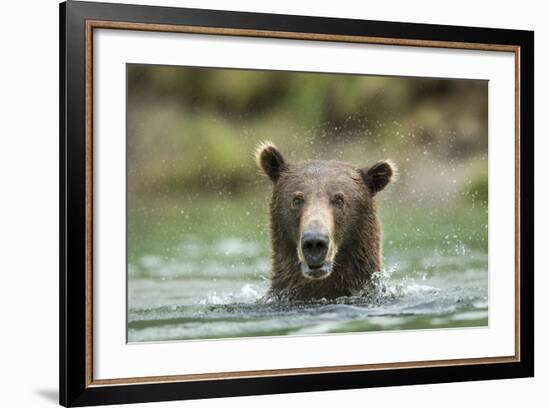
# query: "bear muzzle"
{"points": [[314, 250]]}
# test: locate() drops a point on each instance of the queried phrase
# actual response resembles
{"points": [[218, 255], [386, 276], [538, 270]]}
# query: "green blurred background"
{"points": [[195, 128], [192, 132]]}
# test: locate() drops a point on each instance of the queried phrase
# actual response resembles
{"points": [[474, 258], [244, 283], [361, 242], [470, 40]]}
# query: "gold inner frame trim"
{"points": [[100, 24]]}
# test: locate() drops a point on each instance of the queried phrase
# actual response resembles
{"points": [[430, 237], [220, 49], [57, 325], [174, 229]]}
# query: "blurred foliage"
{"points": [[194, 129], [476, 188]]}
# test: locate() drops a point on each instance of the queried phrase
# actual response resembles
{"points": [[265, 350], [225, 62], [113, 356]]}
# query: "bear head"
{"points": [[324, 225]]}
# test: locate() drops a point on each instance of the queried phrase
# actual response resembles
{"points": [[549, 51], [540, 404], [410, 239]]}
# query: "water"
{"points": [[198, 283]]}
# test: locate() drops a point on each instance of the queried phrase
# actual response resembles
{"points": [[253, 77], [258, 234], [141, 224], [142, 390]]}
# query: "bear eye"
{"points": [[298, 201], [338, 200]]}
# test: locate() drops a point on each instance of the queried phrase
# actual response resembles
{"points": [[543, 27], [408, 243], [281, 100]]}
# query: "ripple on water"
{"points": [[218, 290]]}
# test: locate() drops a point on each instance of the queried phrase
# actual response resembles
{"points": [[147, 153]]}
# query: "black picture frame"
{"points": [[75, 387]]}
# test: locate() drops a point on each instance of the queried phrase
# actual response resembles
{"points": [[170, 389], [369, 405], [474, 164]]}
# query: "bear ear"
{"points": [[270, 160], [379, 175]]}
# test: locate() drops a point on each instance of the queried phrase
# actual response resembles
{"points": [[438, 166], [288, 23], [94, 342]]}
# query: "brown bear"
{"points": [[325, 232]]}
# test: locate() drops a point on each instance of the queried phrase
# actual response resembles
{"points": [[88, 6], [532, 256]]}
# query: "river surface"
{"points": [[187, 282]]}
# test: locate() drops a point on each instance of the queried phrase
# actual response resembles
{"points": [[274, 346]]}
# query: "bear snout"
{"points": [[314, 248]]}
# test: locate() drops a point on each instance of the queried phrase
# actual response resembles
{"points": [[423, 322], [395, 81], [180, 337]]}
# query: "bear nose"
{"points": [[315, 248]]}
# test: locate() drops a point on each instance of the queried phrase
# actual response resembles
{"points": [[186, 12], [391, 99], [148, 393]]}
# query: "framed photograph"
{"points": [[256, 204]]}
